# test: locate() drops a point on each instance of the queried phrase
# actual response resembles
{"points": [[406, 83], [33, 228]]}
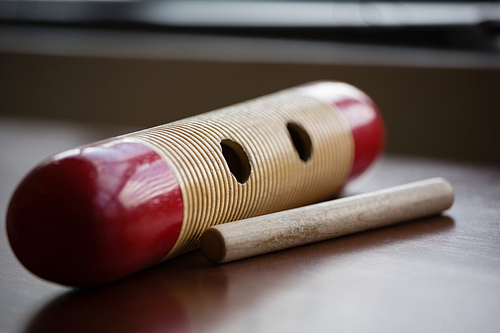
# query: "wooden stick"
{"points": [[278, 231]]}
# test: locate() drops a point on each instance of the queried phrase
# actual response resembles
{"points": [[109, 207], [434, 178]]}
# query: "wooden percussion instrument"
{"points": [[105, 210]]}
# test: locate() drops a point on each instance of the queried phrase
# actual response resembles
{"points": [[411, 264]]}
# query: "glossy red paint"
{"points": [[95, 214], [361, 114]]}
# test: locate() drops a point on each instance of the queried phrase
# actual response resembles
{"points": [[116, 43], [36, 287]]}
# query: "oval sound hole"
{"points": [[236, 159], [301, 141]]}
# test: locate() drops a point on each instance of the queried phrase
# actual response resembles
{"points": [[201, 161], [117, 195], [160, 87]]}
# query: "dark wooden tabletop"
{"points": [[439, 274]]}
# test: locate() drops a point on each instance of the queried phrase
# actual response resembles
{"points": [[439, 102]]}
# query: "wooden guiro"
{"points": [[105, 210]]}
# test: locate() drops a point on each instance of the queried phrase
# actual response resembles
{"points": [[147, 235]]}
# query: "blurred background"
{"points": [[433, 68]]}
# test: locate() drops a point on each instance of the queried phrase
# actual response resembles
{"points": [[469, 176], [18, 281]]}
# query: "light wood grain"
{"points": [[278, 231], [278, 178]]}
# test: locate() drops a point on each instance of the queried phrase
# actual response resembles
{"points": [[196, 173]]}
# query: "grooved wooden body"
{"points": [[108, 209], [278, 180], [326, 220]]}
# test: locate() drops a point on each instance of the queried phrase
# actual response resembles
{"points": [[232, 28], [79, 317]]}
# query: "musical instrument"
{"points": [[105, 210]]}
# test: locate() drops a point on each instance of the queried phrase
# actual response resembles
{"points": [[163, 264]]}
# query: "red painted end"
{"points": [[95, 214], [362, 116]]}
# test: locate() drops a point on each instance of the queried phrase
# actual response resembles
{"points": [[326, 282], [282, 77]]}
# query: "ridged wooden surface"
{"points": [[278, 179]]}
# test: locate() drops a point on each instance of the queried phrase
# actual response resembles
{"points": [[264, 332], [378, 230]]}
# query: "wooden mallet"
{"points": [[299, 226]]}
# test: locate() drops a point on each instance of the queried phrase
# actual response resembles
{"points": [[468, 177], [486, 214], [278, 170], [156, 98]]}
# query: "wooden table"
{"points": [[439, 274]]}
